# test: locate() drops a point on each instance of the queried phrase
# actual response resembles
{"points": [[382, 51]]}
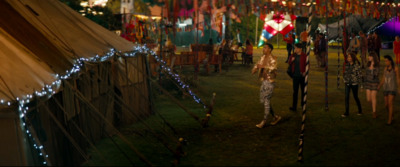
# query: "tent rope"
{"points": [[141, 94], [69, 137], [123, 138], [36, 139], [172, 97], [81, 132], [134, 115]]}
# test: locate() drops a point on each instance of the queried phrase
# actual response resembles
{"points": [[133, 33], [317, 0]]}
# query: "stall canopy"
{"points": [[42, 38]]}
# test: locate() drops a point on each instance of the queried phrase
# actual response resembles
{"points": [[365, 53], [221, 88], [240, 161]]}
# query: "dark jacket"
{"points": [[352, 74], [377, 43], [303, 59]]}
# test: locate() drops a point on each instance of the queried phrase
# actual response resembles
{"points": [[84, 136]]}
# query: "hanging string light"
{"points": [[377, 27], [169, 71]]}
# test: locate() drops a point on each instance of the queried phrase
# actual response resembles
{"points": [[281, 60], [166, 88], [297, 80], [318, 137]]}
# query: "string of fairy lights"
{"points": [[169, 71], [49, 90], [377, 27]]}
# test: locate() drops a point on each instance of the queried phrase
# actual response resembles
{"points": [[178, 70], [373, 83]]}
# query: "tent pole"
{"points": [[326, 57], [277, 38], [344, 35], [161, 36], [338, 59], [255, 37]]}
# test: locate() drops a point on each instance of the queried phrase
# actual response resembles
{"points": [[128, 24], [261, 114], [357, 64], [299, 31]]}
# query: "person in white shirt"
{"points": [[239, 40]]}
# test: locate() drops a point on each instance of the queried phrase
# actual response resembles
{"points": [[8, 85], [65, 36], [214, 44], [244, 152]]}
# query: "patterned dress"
{"points": [[371, 79]]}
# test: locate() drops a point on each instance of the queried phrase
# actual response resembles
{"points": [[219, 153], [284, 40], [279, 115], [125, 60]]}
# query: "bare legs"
{"points": [[389, 106], [371, 97]]}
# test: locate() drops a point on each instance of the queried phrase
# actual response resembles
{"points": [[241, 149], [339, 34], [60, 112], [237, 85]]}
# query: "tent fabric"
{"points": [[42, 39], [353, 24]]}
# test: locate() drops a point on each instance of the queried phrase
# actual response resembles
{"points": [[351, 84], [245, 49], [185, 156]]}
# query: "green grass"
{"points": [[233, 140]]}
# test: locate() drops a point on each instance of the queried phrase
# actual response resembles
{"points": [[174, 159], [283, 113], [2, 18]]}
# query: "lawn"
{"points": [[232, 138]]}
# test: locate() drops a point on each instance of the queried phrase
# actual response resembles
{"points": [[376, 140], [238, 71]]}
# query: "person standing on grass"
{"points": [[267, 67], [289, 44], [371, 80], [352, 78], [239, 38], [371, 43], [303, 39], [363, 48], [297, 62], [390, 82], [396, 49], [316, 49], [248, 59], [377, 45], [322, 48], [354, 44]]}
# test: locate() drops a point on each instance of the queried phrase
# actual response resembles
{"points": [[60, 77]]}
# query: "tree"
{"points": [[248, 27], [101, 15]]}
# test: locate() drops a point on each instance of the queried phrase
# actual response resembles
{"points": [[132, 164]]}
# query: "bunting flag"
{"points": [[237, 9]]}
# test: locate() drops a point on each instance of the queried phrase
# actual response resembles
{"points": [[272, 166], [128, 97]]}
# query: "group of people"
{"points": [[320, 51], [267, 68], [364, 45], [353, 77], [247, 51]]}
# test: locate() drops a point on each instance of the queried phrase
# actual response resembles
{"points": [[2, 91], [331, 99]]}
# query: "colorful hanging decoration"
{"points": [[274, 23], [279, 22]]}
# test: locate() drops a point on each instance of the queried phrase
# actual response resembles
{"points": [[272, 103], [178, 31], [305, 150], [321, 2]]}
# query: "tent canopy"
{"points": [[42, 39], [353, 24]]}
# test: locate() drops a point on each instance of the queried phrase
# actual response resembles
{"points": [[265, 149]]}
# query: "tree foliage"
{"points": [[107, 19], [248, 27]]}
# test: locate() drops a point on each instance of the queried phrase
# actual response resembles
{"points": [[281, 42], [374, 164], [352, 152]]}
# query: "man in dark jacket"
{"points": [[377, 45], [297, 61]]}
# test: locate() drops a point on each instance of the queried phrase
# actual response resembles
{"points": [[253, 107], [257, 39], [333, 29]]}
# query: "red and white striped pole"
{"points": [[303, 120]]}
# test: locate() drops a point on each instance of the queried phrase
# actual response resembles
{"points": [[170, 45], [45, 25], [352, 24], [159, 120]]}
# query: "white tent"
{"points": [[41, 40]]}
